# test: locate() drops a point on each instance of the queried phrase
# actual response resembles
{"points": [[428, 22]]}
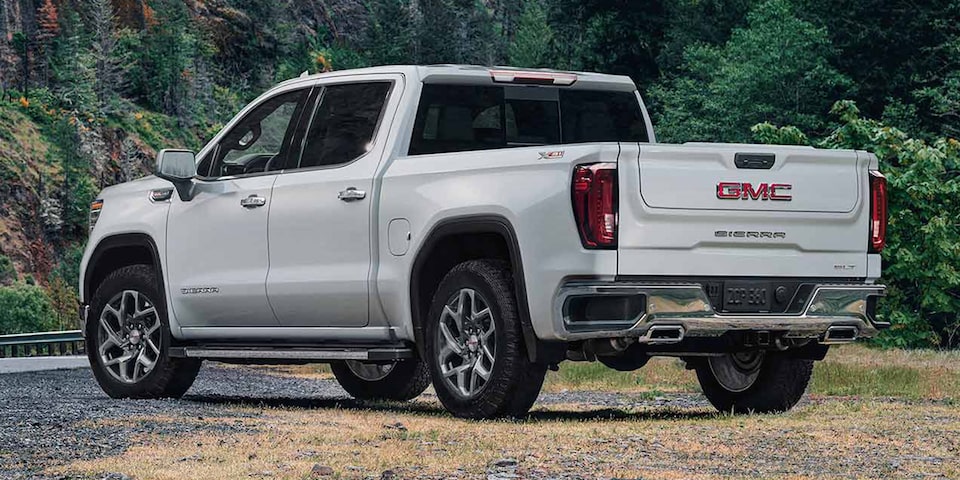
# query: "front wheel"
{"points": [[128, 339], [474, 344], [754, 382], [399, 381]]}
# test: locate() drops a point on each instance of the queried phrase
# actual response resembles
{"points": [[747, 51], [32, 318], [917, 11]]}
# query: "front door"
{"points": [[320, 218], [217, 256]]}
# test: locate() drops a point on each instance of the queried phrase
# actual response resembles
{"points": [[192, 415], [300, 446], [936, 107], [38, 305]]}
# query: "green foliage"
{"points": [[531, 45], [769, 133], [922, 256], [391, 36], [25, 308], [776, 69], [7, 273], [68, 267], [891, 49]]}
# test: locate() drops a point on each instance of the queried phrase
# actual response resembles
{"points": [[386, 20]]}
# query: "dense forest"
{"points": [[90, 89]]}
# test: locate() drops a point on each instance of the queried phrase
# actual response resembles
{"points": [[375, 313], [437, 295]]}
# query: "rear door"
{"points": [[742, 210], [320, 218]]}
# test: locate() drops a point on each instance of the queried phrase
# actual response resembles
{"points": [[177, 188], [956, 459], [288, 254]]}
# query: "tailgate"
{"points": [[742, 210]]}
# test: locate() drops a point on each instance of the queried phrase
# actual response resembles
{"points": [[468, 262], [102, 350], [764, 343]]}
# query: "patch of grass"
{"points": [[659, 375], [852, 370], [833, 378], [557, 441]]}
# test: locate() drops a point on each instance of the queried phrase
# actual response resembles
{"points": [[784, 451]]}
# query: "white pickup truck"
{"points": [[476, 227]]}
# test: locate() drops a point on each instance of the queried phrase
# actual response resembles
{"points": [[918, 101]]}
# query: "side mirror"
{"points": [[178, 167]]}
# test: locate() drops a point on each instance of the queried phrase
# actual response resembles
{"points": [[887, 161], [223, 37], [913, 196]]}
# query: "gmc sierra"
{"points": [[476, 227]]}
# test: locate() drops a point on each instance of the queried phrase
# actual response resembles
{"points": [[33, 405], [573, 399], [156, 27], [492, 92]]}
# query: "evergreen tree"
{"points": [[532, 43], [48, 28], [109, 73], [776, 69]]}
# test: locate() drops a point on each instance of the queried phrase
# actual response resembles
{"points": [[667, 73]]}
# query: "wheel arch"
{"points": [[117, 251], [454, 240]]}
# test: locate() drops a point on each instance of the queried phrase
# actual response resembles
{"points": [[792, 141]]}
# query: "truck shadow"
{"points": [[565, 412]]}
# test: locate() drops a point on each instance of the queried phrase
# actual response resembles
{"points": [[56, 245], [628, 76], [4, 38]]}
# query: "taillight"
{"points": [[595, 204], [878, 211]]}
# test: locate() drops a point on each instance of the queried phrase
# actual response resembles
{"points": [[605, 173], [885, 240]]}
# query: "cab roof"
{"points": [[482, 75]]}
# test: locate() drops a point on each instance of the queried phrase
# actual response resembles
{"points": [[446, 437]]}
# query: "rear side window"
{"points": [[457, 118], [344, 123]]}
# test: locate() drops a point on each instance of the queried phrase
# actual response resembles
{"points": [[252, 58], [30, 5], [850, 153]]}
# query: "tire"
{"points": [[133, 290], [512, 382], [778, 384], [399, 381]]}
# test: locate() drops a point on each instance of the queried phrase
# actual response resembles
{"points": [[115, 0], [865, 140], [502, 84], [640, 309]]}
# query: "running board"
{"points": [[275, 353]]}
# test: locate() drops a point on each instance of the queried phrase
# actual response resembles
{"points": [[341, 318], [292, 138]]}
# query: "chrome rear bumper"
{"points": [[832, 314]]}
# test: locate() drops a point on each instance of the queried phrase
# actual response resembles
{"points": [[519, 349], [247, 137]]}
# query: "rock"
{"points": [[395, 426], [321, 471], [505, 463], [116, 476], [388, 475]]}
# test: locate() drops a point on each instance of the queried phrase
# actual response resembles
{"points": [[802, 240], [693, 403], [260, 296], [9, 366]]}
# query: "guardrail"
{"points": [[43, 344]]}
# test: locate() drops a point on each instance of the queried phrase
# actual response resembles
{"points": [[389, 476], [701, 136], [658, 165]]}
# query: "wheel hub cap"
{"points": [[466, 343]]}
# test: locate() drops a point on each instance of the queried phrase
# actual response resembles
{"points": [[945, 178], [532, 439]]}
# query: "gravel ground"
{"points": [[53, 418], [39, 406]]}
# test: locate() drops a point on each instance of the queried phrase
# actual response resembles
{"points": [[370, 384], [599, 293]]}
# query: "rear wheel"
{"points": [[129, 339], [475, 347], [400, 381], [754, 382]]}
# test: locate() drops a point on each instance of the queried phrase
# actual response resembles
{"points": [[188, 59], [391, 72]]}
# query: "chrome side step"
{"points": [[279, 353]]}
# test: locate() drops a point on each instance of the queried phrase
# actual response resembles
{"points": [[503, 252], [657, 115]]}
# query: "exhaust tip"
{"points": [[663, 334], [840, 334]]}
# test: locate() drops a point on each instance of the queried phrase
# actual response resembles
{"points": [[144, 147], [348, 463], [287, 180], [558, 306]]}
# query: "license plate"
{"points": [[746, 296]]}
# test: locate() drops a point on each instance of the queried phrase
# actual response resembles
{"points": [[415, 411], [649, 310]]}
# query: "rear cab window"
{"points": [[457, 118]]}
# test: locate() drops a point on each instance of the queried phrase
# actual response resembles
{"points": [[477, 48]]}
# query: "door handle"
{"points": [[253, 201], [351, 194]]}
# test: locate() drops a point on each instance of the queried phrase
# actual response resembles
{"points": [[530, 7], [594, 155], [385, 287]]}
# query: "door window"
{"points": [[344, 124], [260, 142]]}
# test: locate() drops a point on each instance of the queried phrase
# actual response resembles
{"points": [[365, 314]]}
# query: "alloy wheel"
{"points": [[466, 343], [129, 336], [370, 372], [737, 372]]}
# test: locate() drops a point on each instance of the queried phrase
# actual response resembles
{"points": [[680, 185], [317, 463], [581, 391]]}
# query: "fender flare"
{"points": [[119, 241], [537, 349]]}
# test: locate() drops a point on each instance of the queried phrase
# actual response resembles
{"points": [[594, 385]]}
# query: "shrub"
{"points": [[25, 308], [8, 274], [922, 257]]}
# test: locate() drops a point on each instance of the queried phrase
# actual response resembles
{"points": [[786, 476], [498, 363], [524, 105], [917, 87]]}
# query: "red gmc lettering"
{"points": [[780, 196], [760, 192], [746, 191], [728, 190]]}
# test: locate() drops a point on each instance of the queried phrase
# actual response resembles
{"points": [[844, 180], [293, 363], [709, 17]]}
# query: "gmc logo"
{"points": [[763, 191]]}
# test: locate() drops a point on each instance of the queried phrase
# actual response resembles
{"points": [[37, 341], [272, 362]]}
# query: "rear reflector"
{"points": [[878, 211], [594, 193], [533, 78]]}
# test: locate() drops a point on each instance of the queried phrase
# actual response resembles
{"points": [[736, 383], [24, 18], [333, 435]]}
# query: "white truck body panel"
{"points": [[671, 218]]}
